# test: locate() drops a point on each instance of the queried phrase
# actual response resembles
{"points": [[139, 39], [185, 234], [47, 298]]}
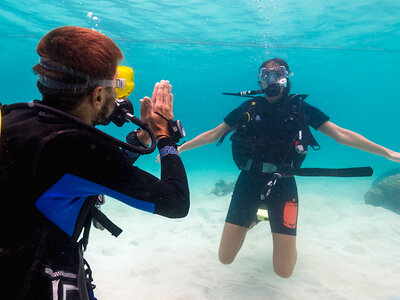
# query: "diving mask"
{"points": [[125, 77], [273, 80], [123, 83]]}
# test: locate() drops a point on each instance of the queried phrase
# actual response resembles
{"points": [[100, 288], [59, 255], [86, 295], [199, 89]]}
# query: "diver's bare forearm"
{"points": [[200, 140], [206, 137], [355, 140]]}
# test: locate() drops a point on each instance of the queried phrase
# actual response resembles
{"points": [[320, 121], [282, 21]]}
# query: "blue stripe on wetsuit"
{"points": [[62, 203]]}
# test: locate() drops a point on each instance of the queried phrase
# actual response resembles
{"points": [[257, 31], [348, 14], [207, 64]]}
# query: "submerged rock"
{"points": [[385, 191], [223, 188]]}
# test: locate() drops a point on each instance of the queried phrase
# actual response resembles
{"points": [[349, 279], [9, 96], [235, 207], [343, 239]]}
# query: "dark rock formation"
{"points": [[223, 188], [385, 191]]}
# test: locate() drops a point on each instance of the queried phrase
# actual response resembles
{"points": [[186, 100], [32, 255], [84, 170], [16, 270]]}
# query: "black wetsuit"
{"points": [[264, 134], [50, 170]]}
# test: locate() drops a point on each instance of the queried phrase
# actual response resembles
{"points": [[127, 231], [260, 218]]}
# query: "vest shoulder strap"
{"points": [[299, 97], [310, 140]]}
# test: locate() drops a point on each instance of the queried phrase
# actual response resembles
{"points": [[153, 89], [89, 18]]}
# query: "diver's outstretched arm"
{"points": [[353, 139], [205, 138]]}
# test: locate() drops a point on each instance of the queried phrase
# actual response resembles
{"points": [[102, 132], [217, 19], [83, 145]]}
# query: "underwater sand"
{"points": [[346, 249]]}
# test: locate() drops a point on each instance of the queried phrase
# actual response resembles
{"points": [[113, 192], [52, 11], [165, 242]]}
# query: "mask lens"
{"points": [[262, 75], [279, 74], [125, 83], [272, 75], [284, 72]]}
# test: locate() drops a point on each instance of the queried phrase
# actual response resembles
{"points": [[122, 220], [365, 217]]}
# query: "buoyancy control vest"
{"points": [[278, 136], [49, 262]]}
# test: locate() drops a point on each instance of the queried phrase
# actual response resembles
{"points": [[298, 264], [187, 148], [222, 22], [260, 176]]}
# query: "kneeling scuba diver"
{"points": [[247, 149], [123, 113]]}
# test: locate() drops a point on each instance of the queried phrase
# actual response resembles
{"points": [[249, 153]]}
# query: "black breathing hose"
{"points": [[130, 117]]}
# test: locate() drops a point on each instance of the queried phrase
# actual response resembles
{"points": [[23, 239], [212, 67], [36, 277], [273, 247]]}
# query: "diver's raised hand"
{"points": [[145, 112], [145, 109], [161, 108], [162, 99]]}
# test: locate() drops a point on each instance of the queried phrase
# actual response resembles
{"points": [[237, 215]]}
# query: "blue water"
{"points": [[344, 54]]}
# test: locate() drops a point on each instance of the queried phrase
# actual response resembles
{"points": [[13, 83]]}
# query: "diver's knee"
{"points": [[226, 259], [283, 272]]}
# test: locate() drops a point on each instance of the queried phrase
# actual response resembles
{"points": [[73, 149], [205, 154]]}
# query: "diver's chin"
{"points": [[105, 116], [274, 98], [101, 121], [104, 121]]}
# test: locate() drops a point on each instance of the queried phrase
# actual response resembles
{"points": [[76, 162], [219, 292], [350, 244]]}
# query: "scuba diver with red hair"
{"points": [[55, 165], [269, 144]]}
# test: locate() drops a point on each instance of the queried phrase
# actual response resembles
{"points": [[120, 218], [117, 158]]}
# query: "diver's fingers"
{"points": [[147, 103], [158, 159], [162, 94], [165, 99], [154, 95], [169, 86], [142, 109], [171, 104], [158, 95], [145, 108]]}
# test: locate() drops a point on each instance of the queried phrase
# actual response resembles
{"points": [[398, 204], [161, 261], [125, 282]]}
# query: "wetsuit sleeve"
{"points": [[82, 164], [315, 117], [173, 181]]}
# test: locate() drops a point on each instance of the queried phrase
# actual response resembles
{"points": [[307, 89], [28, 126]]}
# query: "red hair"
{"points": [[82, 49]]}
